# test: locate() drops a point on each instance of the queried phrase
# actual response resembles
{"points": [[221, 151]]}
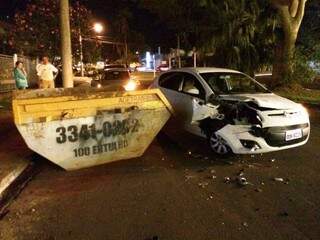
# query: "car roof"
{"points": [[116, 70], [115, 64], [203, 70]]}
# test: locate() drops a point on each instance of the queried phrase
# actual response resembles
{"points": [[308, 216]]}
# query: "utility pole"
{"points": [[126, 51], [66, 54], [81, 53], [178, 51], [194, 57], [80, 40]]}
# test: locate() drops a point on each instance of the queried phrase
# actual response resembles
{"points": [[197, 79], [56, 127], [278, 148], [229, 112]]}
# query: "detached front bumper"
{"points": [[248, 140]]}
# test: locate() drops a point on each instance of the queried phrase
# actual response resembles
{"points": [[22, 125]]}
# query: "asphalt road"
{"points": [[175, 192]]}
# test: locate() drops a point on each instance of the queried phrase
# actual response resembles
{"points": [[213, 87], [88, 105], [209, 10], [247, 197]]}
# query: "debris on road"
{"points": [[245, 224], [188, 177], [203, 184], [227, 180], [277, 179], [241, 173], [285, 181], [242, 181], [212, 177]]}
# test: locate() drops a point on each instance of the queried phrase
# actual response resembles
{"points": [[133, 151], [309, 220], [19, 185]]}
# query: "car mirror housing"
{"points": [[212, 98]]}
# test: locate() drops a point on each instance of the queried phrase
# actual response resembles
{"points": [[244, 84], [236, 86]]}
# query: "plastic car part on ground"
{"points": [[78, 128]]}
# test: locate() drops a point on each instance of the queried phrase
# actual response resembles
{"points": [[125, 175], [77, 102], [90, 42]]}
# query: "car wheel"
{"points": [[218, 145]]}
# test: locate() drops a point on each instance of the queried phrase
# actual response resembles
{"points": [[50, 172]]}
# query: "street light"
{"points": [[98, 28]]}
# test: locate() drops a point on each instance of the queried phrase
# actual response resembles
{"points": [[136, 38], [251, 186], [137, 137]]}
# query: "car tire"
{"points": [[218, 145]]}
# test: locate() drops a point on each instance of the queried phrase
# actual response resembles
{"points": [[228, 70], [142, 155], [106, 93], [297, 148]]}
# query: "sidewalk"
{"points": [[16, 167]]}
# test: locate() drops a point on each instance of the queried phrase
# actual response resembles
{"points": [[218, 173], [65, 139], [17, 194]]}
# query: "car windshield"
{"points": [[232, 83], [116, 75]]}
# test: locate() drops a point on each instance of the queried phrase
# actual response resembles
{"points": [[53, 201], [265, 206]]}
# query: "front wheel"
{"points": [[218, 145]]}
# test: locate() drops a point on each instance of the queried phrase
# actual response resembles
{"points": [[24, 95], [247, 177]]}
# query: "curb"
{"points": [[13, 183]]}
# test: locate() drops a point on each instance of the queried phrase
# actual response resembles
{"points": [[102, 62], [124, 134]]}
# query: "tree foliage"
{"points": [[36, 30], [243, 36], [308, 40], [237, 33]]}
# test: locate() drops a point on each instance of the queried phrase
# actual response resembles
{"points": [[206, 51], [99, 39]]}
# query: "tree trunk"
{"points": [[284, 59], [291, 14]]}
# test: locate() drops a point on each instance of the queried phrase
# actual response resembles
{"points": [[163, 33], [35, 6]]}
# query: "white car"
{"points": [[233, 111]]}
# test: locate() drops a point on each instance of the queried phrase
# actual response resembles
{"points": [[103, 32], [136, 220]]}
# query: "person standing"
{"points": [[20, 76], [46, 73]]}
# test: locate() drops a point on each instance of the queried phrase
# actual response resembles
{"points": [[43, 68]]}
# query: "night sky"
{"points": [[154, 31], [8, 7]]}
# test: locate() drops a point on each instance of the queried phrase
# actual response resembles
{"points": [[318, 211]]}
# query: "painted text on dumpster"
{"points": [[101, 148], [85, 132]]}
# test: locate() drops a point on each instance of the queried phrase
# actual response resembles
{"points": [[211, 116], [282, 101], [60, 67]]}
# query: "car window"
{"points": [[191, 82], [232, 83], [171, 81], [116, 75]]}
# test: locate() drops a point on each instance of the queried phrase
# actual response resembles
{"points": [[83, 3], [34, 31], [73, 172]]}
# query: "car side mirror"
{"points": [[193, 91]]}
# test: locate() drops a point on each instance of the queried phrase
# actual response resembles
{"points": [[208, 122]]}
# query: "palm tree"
{"points": [[239, 36]]}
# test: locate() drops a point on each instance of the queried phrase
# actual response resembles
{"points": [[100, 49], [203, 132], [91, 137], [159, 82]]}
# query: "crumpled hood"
{"points": [[268, 100]]}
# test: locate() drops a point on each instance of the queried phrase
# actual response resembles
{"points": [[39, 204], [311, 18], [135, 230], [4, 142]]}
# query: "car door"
{"points": [[170, 84], [189, 106], [192, 98]]}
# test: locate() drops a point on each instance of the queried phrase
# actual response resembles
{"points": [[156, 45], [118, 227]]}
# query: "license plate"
{"points": [[293, 134]]}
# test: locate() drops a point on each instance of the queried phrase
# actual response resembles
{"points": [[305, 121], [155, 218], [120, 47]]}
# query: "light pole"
{"points": [[98, 28], [81, 52]]}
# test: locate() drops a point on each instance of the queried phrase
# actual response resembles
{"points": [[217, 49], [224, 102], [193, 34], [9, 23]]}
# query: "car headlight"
{"points": [[304, 110], [130, 86]]}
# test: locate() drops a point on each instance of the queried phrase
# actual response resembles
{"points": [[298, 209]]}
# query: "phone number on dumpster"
{"points": [[85, 132]]}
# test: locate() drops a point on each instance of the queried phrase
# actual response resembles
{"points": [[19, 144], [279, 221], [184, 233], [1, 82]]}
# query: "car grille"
{"points": [[275, 136]]}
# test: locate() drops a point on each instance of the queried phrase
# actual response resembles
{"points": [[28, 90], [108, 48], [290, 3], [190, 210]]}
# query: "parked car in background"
{"points": [[163, 68], [118, 79], [233, 111], [114, 66]]}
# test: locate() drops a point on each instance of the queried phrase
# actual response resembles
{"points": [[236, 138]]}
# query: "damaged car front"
{"points": [[251, 119], [233, 111]]}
